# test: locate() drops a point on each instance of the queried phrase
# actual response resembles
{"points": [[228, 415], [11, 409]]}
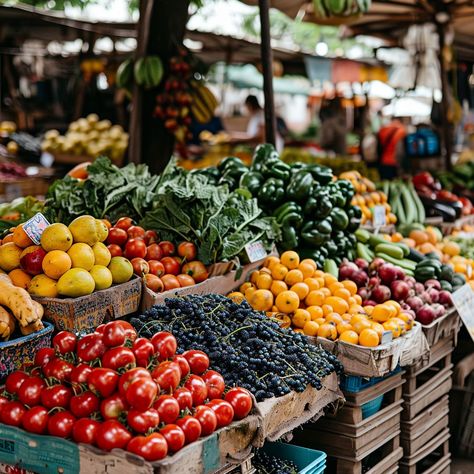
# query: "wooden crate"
{"points": [[442, 328], [432, 458]]}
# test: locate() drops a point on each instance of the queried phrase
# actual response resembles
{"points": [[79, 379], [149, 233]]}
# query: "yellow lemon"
{"points": [[86, 229], [101, 254], [82, 256], [76, 282], [56, 237], [102, 277]]}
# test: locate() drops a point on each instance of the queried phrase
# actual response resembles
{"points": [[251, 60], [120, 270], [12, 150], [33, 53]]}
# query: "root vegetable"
{"points": [[7, 324], [31, 328], [381, 293], [425, 315], [400, 290]]}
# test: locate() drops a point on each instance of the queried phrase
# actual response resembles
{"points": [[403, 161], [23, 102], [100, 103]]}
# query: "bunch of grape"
{"points": [[267, 464], [244, 345]]}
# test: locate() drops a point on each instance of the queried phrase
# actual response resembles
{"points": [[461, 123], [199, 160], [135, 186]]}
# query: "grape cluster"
{"points": [[245, 346], [266, 464]]}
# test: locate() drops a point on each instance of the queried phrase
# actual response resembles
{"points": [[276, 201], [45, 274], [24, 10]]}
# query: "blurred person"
{"points": [[333, 129], [391, 143]]}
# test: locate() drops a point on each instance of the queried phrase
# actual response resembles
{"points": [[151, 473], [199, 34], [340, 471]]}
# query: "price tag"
{"points": [[35, 227], [255, 251], [379, 217], [387, 336], [463, 300]]}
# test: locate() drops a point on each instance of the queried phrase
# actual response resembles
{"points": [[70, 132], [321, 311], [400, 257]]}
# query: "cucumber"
{"points": [[416, 256], [408, 205], [404, 247], [403, 264], [330, 267], [362, 235], [425, 273], [419, 205], [363, 252], [390, 249], [375, 240]]}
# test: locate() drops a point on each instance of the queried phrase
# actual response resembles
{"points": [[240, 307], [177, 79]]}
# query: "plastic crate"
{"points": [[372, 407], [308, 461], [356, 383]]}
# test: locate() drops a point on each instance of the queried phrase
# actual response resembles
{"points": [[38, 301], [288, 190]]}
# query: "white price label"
{"points": [[379, 217], [463, 300], [35, 226], [387, 336], [255, 251]]}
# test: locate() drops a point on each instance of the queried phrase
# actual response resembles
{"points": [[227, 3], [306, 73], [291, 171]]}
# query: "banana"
{"points": [[148, 71]]}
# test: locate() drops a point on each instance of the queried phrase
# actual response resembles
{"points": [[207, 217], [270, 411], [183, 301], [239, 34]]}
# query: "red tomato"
{"points": [[124, 223], [150, 237], [142, 421], [112, 434], [61, 424], [198, 361], [167, 375], [128, 377], [174, 437], [179, 260], [113, 406], [12, 413], [29, 392], [151, 448], [56, 396], [143, 350], [80, 373], [135, 248], [241, 402], [35, 420], [3, 402], [172, 267], [215, 384], [167, 248], [113, 334], [14, 381], [154, 252], [170, 282], [84, 404], [60, 370], [103, 381], [117, 358], [85, 431], [185, 280], [191, 428], [223, 410], [187, 250], [64, 342], [183, 365], [141, 393], [90, 347], [167, 407], [153, 282], [117, 237], [115, 250], [43, 356], [130, 332], [156, 267], [207, 419], [140, 266], [198, 389], [184, 398], [197, 270], [136, 232], [165, 345]]}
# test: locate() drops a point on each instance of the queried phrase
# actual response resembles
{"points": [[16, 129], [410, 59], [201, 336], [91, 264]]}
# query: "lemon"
{"points": [[102, 277], [85, 229], [101, 254], [102, 230], [56, 237], [76, 282], [42, 285], [82, 256], [121, 269]]}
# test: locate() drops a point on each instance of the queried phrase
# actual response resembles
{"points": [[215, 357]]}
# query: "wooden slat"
{"points": [[414, 428]]}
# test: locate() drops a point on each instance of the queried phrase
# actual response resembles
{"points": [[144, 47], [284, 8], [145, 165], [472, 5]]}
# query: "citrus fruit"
{"points": [[392, 325], [102, 277], [351, 286], [300, 318], [311, 328], [290, 259], [236, 297], [306, 269], [76, 282], [381, 313], [271, 261], [301, 289], [279, 271], [309, 261], [101, 254], [87, 230], [339, 305], [359, 326], [253, 277], [82, 256], [328, 331], [102, 229], [327, 308], [334, 318], [56, 263], [294, 276], [56, 237], [20, 237], [378, 328], [315, 298], [43, 286], [121, 269], [344, 326], [287, 301], [278, 286], [315, 312], [264, 281], [369, 338], [349, 336], [261, 300], [312, 283], [9, 256], [246, 285], [20, 278]]}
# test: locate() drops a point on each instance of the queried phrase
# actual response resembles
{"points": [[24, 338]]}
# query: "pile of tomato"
{"points": [[113, 389], [163, 265]]}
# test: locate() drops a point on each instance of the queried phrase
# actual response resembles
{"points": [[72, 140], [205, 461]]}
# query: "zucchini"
{"points": [[403, 264], [407, 203], [362, 235], [389, 249], [375, 240], [416, 256], [363, 252], [425, 273], [404, 247]]}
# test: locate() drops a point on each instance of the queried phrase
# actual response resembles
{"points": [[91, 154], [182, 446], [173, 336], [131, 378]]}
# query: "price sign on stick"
{"points": [[379, 216], [255, 251], [463, 300], [35, 226]]}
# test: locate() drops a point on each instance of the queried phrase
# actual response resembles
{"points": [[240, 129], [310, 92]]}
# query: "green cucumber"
{"points": [[403, 264], [363, 252], [330, 267], [408, 205], [389, 249], [362, 235], [425, 273], [404, 247], [375, 240], [416, 256]]}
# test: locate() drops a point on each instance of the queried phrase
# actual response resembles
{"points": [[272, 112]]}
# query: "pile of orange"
{"points": [[315, 303]]}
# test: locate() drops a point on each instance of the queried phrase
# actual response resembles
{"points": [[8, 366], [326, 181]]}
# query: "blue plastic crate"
{"points": [[308, 461], [372, 407], [356, 383]]}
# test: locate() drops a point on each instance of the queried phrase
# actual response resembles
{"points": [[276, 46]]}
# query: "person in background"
{"points": [[333, 127], [214, 126], [391, 142]]}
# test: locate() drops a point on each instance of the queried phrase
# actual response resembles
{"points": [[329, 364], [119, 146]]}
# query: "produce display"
{"points": [[244, 345], [70, 261], [267, 464], [11, 171], [18, 211], [115, 390], [460, 180], [88, 136]]}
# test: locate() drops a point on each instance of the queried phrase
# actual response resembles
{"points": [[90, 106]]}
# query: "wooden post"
{"points": [[267, 65], [161, 31]]}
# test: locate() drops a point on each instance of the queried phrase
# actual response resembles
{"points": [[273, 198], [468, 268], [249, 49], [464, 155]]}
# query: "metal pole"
{"points": [[267, 63]]}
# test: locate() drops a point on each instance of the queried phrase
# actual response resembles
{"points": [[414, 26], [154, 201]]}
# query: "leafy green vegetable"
{"points": [[18, 211]]}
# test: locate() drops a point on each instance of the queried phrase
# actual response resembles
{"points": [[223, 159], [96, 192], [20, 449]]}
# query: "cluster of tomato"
{"points": [[113, 389], [163, 265]]}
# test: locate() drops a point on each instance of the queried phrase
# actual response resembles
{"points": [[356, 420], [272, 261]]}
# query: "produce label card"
{"points": [[379, 216], [255, 251], [463, 300], [35, 227]]}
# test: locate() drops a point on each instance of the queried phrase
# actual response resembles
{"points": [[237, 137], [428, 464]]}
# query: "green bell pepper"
{"points": [[289, 238], [272, 192], [340, 219], [230, 161], [300, 186], [322, 174], [276, 169], [210, 172], [285, 209], [324, 226], [311, 235], [252, 180], [311, 207], [262, 154]]}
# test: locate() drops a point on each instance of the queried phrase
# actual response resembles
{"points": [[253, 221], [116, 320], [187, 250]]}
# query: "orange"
{"points": [[236, 297], [333, 287], [315, 297], [369, 309], [20, 238], [294, 276], [351, 286], [320, 281], [419, 236], [358, 299], [253, 276], [369, 338], [382, 313], [315, 312], [344, 326], [392, 325], [311, 262], [298, 330], [311, 328], [10, 255], [427, 248], [279, 271], [271, 261], [359, 326], [264, 281], [287, 301], [245, 286], [274, 309], [319, 274], [340, 306], [334, 318], [401, 323], [56, 263], [328, 331], [327, 308], [395, 305], [20, 278], [407, 318], [378, 328], [342, 293], [432, 235], [356, 309], [300, 318], [261, 300], [278, 286], [249, 292], [8, 238], [107, 223], [450, 248], [320, 320], [359, 317], [312, 283], [301, 289], [349, 336], [347, 317], [265, 270], [290, 259], [397, 237], [329, 279], [306, 269]]}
